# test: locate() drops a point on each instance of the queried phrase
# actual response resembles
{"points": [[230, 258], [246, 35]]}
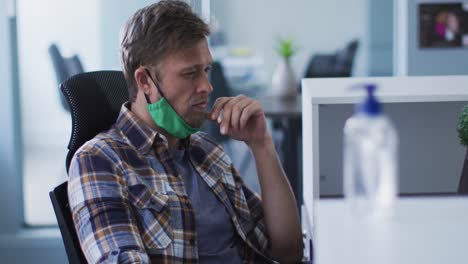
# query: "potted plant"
{"points": [[462, 129], [283, 81]]}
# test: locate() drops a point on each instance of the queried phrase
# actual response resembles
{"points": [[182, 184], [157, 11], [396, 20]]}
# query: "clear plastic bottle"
{"points": [[370, 159]]}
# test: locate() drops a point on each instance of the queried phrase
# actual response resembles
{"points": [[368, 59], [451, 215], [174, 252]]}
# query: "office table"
{"points": [[423, 230], [288, 110]]}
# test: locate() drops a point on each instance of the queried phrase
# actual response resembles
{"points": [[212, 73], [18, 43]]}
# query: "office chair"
{"points": [[64, 68], [95, 99], [339, 64], [345, 59], [59, 199]]}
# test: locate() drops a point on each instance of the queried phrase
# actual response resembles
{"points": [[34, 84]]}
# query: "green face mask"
{"points": [[164, 115], [167, 118]]}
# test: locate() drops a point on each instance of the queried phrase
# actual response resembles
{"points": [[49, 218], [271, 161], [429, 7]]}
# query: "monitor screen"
{"points": [[443, 25]]}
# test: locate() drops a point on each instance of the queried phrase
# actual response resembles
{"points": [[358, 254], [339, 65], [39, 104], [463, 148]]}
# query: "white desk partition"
{"points": [[326, 91], [446, 244]]}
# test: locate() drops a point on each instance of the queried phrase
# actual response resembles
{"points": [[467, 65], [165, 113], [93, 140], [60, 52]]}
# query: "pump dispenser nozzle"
{"points": [[370, 106]]}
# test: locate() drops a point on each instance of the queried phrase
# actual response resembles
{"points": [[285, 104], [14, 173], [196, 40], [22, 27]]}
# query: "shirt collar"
{"points": [[139, 134]]}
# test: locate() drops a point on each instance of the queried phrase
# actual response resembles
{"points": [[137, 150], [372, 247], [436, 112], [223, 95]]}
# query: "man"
{"points": [[152, 188]]}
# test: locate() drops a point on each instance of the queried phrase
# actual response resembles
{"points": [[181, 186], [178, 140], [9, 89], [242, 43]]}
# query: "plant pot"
{"points": [[283, 81], [463, 184]]}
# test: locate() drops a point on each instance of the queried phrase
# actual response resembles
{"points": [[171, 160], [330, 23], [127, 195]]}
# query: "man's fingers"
{"points": [[255, 108], [227, 111], [217, 107], [237, 109], [234, 112]]}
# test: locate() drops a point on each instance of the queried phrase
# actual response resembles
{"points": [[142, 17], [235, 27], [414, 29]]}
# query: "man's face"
{"points": [[183, 78]]}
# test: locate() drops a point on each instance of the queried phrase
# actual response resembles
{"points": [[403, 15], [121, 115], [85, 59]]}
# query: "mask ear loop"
{"points": [[157, 87]]}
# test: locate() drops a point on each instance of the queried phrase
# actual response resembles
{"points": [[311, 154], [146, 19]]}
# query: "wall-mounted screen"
{"points": [[443, 25]]}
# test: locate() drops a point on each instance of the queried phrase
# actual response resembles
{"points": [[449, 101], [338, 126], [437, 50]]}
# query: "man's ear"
{"points": [[143, 80]]}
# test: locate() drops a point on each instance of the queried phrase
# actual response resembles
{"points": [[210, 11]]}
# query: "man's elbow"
{"points": [[289, 253]]}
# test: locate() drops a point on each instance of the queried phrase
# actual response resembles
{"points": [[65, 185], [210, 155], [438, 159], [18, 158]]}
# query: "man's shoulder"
{"points": [[203, 139], [205, 142], [105, 144]]}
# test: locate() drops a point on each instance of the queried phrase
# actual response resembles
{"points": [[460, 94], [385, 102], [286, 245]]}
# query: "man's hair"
{"points": [[154, 32]]}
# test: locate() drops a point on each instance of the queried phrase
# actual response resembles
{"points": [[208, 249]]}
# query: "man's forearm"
{"points": [[279, 205]]}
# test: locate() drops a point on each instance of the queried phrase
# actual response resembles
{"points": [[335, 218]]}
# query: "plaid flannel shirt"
{"points": [[129, 203]]}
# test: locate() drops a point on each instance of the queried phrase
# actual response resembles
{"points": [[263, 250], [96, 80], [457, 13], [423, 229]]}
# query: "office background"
{"points": [[32, 122]]}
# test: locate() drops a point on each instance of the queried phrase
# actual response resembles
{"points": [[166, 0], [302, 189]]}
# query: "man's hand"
{"points": [[241, 118]]}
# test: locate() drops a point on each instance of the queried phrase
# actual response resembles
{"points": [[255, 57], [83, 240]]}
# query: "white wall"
{"points": [[315, 25], [73, 26], [112, 18]]}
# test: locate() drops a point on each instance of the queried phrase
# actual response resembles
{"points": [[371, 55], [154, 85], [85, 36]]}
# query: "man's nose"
{"points": [[205, 84]]}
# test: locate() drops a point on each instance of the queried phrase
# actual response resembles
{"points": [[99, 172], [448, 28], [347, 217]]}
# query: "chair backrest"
{"points": [[339, 64], [95, 99], [64, 68], [221, 88], [321, 65], [219, 82], [59, 199], [345, 59]]}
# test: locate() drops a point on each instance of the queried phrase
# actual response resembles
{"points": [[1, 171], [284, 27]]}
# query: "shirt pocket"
{"points": [[153, 216]]}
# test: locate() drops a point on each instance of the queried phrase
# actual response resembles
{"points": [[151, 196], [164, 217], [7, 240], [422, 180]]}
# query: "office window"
{"points": [[87, 28], [46, 124]]}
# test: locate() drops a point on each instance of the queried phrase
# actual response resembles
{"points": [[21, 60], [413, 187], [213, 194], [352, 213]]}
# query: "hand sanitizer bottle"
{"points": [[370, 159]]}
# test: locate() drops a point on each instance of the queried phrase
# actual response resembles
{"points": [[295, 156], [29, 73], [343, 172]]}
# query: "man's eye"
{"points": [[190, 74], [208, 69]]}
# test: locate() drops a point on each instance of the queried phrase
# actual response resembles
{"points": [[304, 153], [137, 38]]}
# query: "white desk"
{"points": [[423, 230], [326, 91]]}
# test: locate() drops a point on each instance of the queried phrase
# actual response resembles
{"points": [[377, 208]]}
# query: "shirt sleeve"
{"points": [[259, 237], [106, 228]]}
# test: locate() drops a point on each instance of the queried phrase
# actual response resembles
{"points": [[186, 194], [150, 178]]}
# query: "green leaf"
{"points": [[286, 47], [462, 127]]}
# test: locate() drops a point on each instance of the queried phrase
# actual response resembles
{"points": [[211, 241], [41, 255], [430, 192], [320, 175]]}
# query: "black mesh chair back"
{"points": [[64, 68], [95, 99], [321, 66], [345, 59], [59, 199], [339, 64]]}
